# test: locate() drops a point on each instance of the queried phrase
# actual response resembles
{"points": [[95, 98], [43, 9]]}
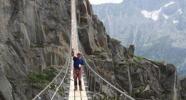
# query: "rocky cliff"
{"points": [[155, 27], [35, 35], [183, 89], [148, 79]]}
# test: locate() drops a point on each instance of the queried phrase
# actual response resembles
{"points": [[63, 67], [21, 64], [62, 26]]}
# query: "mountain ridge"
{"points": [[145, 23]]}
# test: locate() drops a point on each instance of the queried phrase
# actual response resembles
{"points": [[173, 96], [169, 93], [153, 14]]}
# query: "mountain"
{"points": [[156, 27], [183, 89], [35, 43]]}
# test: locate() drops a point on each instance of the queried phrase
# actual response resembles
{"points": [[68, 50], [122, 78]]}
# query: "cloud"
{"points": [[104, 1]]}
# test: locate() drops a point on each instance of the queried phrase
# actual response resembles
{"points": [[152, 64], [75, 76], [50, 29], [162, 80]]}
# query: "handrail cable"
{"points": [[57, 89], [124, 93], [69, 62], [117, 89], [66, 64], [46, 87]]}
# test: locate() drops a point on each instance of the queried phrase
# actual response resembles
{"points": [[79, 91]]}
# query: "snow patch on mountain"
{"points": [[154, 15], [169, 4], [165, 16], [180, 11], [175, 21], [159, 24]]}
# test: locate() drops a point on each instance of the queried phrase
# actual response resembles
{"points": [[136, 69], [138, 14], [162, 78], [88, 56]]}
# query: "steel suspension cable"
{"points": [[62, 81], [95, 73], [73, 28], [117, 89], [124, 93], [66, 64], [46, 87]]}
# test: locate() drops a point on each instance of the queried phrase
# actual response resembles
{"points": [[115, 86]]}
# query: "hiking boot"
{"points": [[75, 88], [80, 88]]}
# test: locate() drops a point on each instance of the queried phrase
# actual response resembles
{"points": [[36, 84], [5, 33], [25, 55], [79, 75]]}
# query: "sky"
{"points": [[104, 1]]}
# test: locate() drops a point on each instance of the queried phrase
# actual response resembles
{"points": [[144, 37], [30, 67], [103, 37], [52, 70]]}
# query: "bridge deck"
{"points": [[77, 95]]}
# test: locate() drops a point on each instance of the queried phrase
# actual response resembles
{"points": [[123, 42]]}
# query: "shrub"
{"points": [[40, 80], [138, 58]]}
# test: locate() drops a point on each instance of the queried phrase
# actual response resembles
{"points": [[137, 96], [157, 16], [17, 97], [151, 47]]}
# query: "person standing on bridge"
{"points": [[78, 63]]}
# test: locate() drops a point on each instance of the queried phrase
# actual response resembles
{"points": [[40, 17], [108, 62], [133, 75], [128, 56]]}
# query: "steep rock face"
{"points": [[148, 79], [91, 35], [33, 36], [183, 89]]}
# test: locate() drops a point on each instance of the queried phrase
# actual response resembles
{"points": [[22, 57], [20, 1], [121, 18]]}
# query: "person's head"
{"points": [[78, 55]]}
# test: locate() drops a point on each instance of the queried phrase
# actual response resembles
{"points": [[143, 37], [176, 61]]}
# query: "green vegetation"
{"points": [[61, 91], [139, 90], [40, 80], [115, 41], [98, 51], [159, 61], [138, 58]]}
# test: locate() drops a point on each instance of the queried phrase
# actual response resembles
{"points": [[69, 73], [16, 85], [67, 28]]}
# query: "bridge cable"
{"points": [[66, 64], [95, 73]]}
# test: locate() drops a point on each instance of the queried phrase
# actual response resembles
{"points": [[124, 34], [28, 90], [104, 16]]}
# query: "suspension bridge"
{"points": [[94, 86]]}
